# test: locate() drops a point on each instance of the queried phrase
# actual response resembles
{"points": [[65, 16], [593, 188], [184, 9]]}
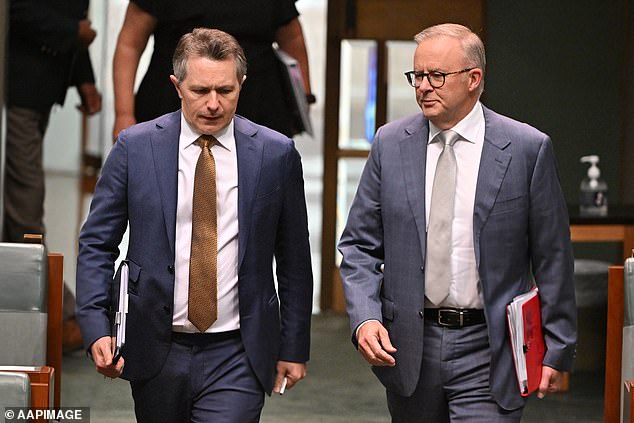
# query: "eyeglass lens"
{"points": [[435, 79]]}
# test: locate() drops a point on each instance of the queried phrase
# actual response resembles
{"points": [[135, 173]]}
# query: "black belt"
{"points": [[455, 318], [192, 339]]}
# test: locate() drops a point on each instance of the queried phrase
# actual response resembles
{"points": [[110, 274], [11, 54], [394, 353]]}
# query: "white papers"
{"points": [[515, 315], [119, 324]]}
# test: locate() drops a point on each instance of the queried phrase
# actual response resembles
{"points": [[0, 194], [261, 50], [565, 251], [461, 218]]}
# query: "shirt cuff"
{"points": [[356, 332]]}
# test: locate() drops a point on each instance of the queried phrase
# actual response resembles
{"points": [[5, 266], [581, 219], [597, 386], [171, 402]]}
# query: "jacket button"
{"points": [[167, 309], [170, 269], [421, 313], [422, 268]]}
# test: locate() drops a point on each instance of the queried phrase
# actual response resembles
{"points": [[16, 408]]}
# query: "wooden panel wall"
{"points": [[402, 19]]}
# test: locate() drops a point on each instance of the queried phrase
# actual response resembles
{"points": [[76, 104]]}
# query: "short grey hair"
{"points": [[211, 44], [472, 45]]}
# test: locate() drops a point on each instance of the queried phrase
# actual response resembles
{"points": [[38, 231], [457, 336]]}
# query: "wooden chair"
{"points": [[32, 339], [15, 389]]}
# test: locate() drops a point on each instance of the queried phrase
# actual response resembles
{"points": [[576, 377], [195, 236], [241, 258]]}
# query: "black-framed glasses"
{"points": [[435, 78]]}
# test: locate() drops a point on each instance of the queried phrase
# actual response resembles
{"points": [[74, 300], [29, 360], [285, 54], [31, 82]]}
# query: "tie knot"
{"points": [[206, 141], [447, 137]]}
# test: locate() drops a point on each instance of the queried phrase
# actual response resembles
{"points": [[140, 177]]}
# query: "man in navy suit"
{"points": [[446, 356], [260, 340]]}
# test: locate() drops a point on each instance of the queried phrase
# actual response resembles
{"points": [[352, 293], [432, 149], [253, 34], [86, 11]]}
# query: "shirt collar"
{"points": [[188, 136], [467, 128]]}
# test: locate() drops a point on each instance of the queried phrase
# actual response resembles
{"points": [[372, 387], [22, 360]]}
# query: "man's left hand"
{"points": [[101, 351], [294, 372], [551, 381]]}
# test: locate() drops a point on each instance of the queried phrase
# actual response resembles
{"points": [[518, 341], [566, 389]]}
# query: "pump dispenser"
{"points": [[593, 192]]}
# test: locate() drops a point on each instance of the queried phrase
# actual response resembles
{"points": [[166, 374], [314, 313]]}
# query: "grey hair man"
{"points": [[441, 236]]}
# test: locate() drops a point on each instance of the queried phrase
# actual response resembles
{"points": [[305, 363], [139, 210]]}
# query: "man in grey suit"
{"points": [[201, 353], [442, 350]]}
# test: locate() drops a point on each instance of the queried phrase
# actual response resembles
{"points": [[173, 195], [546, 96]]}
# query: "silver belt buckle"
{"points": [[441, 311]]}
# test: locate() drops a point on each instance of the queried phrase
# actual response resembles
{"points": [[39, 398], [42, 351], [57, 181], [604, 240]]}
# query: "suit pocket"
{"points": [[133, 277], [265, 200], [387, 309], [509, 205]]}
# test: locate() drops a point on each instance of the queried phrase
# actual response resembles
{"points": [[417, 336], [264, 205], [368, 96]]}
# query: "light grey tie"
{"points": [[438, 263]]}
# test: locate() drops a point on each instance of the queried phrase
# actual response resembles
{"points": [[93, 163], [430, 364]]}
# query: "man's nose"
{"points": [[212, 100], [424, 85]]}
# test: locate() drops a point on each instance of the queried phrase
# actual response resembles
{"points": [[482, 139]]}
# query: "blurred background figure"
{"points": [[48, 42], [255, 24]]}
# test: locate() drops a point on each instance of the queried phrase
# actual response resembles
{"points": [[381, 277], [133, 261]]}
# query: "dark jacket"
{"points": [[138, 185], [44, 56]]}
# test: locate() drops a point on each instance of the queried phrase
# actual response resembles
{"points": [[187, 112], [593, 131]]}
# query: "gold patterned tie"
{"points": [[203, 290]]}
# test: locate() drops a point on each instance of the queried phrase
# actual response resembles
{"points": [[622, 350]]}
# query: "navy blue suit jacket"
{"points": [[139, 186]]}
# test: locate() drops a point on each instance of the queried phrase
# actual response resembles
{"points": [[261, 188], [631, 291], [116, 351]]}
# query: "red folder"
{"points": [[527, 340]]}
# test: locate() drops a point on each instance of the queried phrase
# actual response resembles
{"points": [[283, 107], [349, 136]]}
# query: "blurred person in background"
{"points": [[47, 54], [254, 23]]}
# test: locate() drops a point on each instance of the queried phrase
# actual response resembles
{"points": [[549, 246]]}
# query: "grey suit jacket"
{"points": [[138, 186], [520, 230]]}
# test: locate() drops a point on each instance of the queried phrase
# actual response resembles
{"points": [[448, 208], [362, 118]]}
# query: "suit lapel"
{"points": [[164, 142], [249, 151], [493, 165], [413, 159]]}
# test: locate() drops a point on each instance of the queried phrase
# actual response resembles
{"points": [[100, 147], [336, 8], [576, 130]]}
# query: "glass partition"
{"points": [[401, 97], [357, 94]]}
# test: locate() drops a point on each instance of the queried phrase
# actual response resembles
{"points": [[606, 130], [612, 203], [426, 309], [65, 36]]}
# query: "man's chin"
{"points": [[210, 126], [428, 111]]}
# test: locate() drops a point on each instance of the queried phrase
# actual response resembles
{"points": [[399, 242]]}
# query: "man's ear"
{"points": [[178, 88], [244, 78], [475, 79]]}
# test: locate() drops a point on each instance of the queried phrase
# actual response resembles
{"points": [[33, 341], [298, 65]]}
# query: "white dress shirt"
{"points": [[464, 290], [227, 201]]}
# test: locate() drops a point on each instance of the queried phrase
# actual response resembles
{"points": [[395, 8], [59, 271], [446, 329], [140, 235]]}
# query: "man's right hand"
{"points": [[101, 351], [86, 33], [374, 344]]}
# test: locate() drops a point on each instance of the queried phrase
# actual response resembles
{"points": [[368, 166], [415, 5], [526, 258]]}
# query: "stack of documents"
{"points": [[119, 310], [527, 340]]}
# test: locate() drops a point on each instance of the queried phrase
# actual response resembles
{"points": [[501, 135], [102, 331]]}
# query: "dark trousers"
{"points": [[454, 382], [24, 175], [206, 378]]}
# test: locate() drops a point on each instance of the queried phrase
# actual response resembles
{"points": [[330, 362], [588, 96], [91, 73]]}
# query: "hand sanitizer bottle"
{"points": [[593, 198]]}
